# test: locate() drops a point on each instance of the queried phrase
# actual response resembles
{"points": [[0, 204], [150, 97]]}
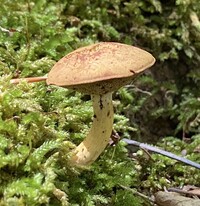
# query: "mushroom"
{"points": [[98, 70]]}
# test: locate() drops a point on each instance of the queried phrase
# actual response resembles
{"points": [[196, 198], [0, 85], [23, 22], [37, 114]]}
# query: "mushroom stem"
{"points": [[28, 79], [99, 135]]}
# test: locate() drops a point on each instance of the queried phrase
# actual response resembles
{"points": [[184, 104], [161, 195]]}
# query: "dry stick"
{"points": [[162, 152], [28, 79]]}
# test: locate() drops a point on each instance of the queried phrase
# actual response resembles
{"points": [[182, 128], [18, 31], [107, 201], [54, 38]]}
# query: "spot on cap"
{"points": [[100, 68]]}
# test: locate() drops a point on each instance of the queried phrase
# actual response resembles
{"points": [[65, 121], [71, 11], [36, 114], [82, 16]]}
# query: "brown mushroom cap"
{"points": [[100, 68]]}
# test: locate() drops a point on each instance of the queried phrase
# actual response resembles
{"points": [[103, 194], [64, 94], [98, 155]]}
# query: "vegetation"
{"points": [[40, 124]]}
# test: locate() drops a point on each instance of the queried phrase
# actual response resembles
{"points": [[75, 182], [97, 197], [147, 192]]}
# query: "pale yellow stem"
{"points": [[99, 135]]}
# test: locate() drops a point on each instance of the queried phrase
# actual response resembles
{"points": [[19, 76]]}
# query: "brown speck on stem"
{"points": [[100, 103]]}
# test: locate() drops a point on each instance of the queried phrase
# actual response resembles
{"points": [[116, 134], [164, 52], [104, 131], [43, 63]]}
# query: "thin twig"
{"points": [[147, 153], [28, 79], [138, 89], [10, 32], [162, 152], [135, 192], [4, 30]]}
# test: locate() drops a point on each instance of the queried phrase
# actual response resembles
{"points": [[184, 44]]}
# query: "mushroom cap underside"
{"points": [[100, 68]]}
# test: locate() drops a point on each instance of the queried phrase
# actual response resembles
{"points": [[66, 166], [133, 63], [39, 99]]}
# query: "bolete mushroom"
{"points": [[98, 70]]}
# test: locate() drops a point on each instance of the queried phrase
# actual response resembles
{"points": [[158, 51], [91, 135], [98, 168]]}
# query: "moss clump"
{"points": [[39, 125]]}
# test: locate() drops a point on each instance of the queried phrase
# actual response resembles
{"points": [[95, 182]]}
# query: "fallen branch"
{"points": [[162, 152]]}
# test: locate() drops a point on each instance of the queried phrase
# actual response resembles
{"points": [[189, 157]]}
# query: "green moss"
{"points": [[40, 125]]}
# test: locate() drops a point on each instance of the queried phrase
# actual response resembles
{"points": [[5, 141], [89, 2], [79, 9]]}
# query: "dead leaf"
{"points": [[174, 199]]}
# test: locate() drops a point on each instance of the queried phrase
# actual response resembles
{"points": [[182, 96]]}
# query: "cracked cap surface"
{"points": [[100, 68]]}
